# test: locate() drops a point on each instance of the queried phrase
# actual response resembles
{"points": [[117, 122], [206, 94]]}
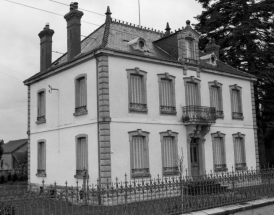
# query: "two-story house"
{"points": [[129, 100]]}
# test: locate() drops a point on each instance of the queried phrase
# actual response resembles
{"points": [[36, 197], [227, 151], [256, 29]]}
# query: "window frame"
{"points": [[191, 41], [219, 86], [174, 136], [42, 172], [197, 82], [39, 119], [80, 110], [239, 115], [218, 134], [242, 137], [78, 174], [169, 110], [142, 107], [145, 135]]}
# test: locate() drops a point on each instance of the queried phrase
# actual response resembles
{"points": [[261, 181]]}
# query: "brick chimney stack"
{"points": [[73, 18], [212, 47], [45, 48]]}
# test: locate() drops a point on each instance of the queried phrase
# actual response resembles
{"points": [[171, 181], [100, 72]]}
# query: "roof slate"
{"points": [[12, 145]]}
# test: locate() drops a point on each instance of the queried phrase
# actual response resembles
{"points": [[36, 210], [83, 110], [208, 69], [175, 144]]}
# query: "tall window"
{"points": [[169, 141], [41, 155], [219, 157], [189, 48], [216, 98], [137, 90], [236, 102], [80, 95], [167, 93], [139, 153], [239, 151], [192, 89], [81, 155], [41, 115]]}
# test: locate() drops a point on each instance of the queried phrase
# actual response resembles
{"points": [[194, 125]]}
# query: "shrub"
{"points": [[9, 177], [14, 177], [7, 209], [2, 179]]}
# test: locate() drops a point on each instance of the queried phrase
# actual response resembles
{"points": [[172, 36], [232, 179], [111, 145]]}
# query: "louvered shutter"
{"points": [[239, 151], [191, 94], [215, 100], [219, 151], [82, 154], [138, 152], [136, 89], [169, 152], [235, 101], [41, 104], [41, 156], [82, 92], [166, 99]]}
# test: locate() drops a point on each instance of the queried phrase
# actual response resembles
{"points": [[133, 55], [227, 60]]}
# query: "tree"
{"points": [[244, 31], [1, 148]]}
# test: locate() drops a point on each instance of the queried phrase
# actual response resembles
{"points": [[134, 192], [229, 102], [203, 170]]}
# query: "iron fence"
{"points": [[169, 195]]}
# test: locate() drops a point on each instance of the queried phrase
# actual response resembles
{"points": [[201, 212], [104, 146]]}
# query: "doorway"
{"points": [[194, 156]]}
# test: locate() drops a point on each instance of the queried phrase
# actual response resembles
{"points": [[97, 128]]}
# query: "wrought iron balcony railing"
{"points": [[138, 107], [237, 115], [168, 109], [198, 115]]}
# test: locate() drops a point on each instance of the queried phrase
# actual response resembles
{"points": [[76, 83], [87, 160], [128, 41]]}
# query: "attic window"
{"points": [[141, 44], [210, 59]]}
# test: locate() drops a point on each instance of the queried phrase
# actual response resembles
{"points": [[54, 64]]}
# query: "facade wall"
{"points": [[123, 121], [62, 126], [7, 161]]}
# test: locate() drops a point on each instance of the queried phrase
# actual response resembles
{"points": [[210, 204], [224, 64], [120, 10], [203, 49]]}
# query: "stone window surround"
{"points": [[143, 74], [38, 92], [236, 87], [220, 92], [221, 135], [171, 78], [78, 176], [42, 173], [174, 136], [76, 85], [242, 136], [144, 134], [192, 42], [196, 81]]}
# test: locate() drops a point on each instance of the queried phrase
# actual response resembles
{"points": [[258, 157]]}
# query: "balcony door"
{"points": [[192, 95], [194, 157]]}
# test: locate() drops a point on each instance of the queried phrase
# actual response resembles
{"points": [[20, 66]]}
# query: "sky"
{"points": [[20, 44]]}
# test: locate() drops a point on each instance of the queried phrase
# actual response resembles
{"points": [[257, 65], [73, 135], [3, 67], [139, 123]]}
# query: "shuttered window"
{"points": [[239, 151], [169, 153], [219, 152], [41, 156], [215, 98], [41, 104], [192, 97], [81, 92], [139, 152], [236, 104], [136, 88], [81, 154], [166, 94]]}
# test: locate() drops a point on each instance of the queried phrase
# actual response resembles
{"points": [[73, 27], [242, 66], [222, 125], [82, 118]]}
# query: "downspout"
{"points": [[28, 133]]}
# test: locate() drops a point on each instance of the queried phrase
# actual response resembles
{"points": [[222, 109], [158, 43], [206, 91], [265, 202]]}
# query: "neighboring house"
{"points": [[14, 153], [129, 99]]}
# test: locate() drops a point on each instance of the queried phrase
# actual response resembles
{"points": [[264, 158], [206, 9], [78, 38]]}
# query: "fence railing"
{"points": [[169, 195]]}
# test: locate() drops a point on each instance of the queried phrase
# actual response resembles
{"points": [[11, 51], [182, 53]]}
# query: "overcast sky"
{"points": [[19, 42]]}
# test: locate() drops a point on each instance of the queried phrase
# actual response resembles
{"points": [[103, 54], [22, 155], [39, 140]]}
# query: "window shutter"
{"points": [[192, 97], [219, 151], [214, 96], [166, 93], [239, 150], [169, 151], [78, 154], [41, 104], [138, 152], [136, 89], [235, 101]]}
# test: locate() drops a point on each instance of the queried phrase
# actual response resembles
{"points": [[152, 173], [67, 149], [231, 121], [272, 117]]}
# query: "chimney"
{"points": [[212, 47], [167, 29], [73, 18], [45, 48]]}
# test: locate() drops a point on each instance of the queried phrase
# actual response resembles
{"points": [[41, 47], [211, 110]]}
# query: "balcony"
{"points": [[199, 115]]}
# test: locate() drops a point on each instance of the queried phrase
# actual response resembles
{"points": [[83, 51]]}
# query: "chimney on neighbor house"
{"points": [[212, 47], [45, 48], [73, 18], [167, 29]]}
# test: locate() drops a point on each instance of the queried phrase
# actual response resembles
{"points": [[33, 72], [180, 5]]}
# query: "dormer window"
{"points": [[210, 59], [190, 49], [138, 44]]}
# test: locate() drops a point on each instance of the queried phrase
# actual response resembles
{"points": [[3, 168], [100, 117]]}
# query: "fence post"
{"points": [[84, 188]]}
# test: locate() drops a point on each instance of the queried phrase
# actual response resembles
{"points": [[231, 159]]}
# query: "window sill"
{"points": [[168, 110], [137, 107], [238, 117], [80, 113], [41, 173], [41, 121]]}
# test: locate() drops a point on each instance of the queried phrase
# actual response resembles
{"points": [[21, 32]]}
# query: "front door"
{"points": [[194, 157]]}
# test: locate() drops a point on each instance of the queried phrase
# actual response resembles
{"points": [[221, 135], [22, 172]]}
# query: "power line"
{"points": [[79, 8], [10, 76], [12, 70]]}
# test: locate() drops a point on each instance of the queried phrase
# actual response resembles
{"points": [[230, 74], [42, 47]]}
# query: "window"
{"points": [[192, 89], [80, 95], [236, 101], [139, 154], [216, 99], [239, 151], [190, 47], [137, 90], [41, 159], [41, 112], [167, 94], [81, 156], [169, 141], [218, 145]]}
